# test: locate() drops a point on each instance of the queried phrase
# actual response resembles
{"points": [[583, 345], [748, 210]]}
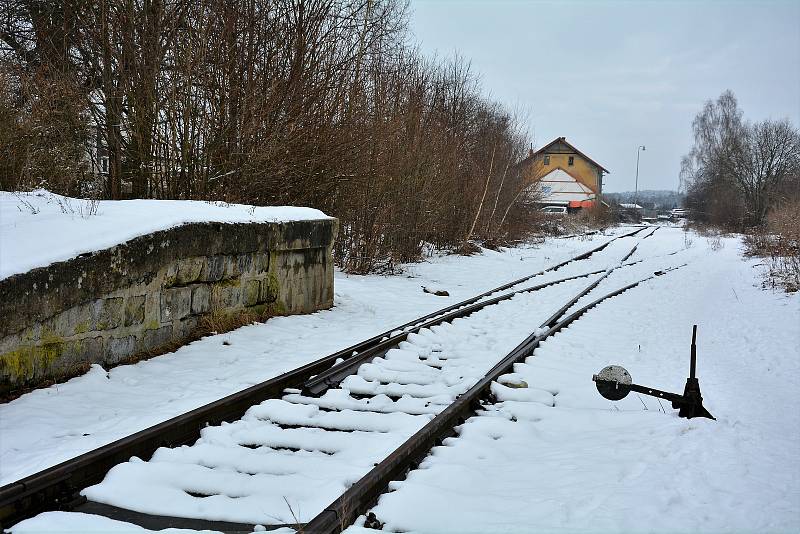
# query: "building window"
{"points": [[104, 164], [547, 160], [571, 161]]}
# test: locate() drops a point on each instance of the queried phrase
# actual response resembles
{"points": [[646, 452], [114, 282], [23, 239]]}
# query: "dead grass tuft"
{"points": [[778, 241]]}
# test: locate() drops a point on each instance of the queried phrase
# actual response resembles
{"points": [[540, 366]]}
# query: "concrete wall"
{"points": [[154, 291]]}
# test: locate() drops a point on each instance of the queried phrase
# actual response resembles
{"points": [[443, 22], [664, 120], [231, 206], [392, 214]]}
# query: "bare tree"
{"points": [[735, 167], [770, 155], [311, 102]]}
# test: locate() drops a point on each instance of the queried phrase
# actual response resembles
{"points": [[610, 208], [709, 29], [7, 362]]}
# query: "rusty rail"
{"points": [[57, 487], [357, 500]]}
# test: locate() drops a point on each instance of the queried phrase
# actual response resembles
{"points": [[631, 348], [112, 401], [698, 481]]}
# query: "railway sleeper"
{"points": [[57, 487], [360, 497]]}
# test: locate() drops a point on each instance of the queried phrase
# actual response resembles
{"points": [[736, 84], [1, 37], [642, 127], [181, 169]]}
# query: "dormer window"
{"points": [[547, 160], [571, 161]]}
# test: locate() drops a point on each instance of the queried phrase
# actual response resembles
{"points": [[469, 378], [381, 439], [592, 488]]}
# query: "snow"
{"points": [[555, 456], [78, 523], [50, 425], [248, 471], [40, 228], [549, 454]]}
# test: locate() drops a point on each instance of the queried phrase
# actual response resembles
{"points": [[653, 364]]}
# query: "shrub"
{"points": [[779, 242]]}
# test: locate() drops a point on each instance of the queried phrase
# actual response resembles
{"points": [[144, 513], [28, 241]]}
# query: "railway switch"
{"points": [[615, 382]]}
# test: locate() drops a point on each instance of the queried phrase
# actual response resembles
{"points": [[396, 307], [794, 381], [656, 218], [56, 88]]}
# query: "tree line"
{"points": [[321, 103], [648, 198], [739, 171]]}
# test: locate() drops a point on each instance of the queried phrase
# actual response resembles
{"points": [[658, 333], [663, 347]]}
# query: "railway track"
{"points": [[361, 496], [340, 414]]}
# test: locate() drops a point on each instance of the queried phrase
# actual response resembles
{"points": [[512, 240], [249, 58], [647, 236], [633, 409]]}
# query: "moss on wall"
{"points": [[109, 323], [29, 361], [82, 327]]}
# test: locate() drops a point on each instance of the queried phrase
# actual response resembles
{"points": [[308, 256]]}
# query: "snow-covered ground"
{"points": [[557, 457], [292, 456], [51, 425], [554, 456], [40, 228]]}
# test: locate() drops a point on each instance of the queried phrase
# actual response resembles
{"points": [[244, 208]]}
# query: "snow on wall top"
{"points": [[40, 228]]}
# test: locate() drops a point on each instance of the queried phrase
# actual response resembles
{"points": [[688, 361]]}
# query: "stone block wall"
{"points": [[152, 292]]}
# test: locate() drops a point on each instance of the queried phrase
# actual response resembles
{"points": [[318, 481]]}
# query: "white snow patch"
{"points": [[40, 228], [557, 457], [78, 523], [50, 425]]}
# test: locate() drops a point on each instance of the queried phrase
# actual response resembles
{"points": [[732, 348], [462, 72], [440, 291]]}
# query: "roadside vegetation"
{"points": [[584, 222], [314, 103], [743, 176], [778, 242]]}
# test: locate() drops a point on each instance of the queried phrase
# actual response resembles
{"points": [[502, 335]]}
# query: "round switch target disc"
{"points": [[613, 381]]}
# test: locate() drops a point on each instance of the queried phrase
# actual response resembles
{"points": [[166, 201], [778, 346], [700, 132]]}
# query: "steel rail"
{"points": [[329, 380], [161, 522], [57, 487], [333, 376], [357, 499], [561, 311]]}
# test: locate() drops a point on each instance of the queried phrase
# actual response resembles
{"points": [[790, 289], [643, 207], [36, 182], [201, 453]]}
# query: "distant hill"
{"points": [[653, 199]]}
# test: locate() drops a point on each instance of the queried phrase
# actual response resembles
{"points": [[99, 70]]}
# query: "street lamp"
{"points": [[636, 193]]}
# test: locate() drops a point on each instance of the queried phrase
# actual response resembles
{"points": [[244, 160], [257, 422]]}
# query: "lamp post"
{"points": [[636, 192]]}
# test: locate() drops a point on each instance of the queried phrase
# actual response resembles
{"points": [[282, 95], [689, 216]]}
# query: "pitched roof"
{"points": [[564, 140]]}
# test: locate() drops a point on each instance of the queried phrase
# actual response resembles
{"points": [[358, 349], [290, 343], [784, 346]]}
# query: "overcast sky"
{"points": [[610, 76]]}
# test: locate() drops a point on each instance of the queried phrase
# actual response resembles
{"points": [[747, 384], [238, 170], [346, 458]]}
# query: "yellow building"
{"points": [[562, 175]]}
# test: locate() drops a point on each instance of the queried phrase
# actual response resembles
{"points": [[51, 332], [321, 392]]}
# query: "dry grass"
{"points": [[580, 223], [77, 369], [596, 218], [778, 241], [713, 235], [298, 525], [715, 242], [216, 322], [220, 321]]}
